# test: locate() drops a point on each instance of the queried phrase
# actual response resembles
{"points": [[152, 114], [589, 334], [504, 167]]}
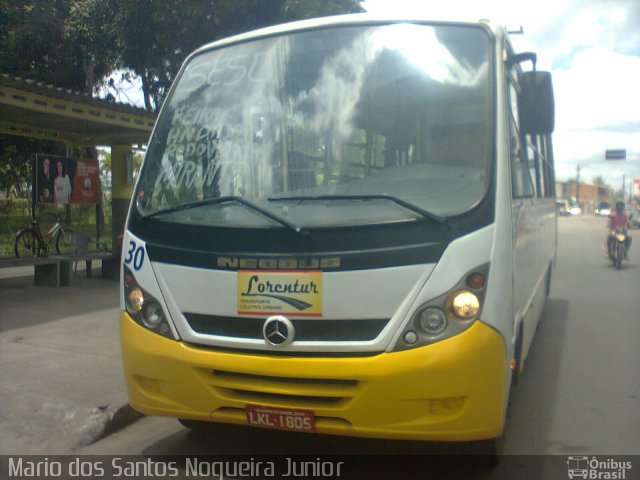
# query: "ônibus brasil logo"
{"points": [[595, 468]]}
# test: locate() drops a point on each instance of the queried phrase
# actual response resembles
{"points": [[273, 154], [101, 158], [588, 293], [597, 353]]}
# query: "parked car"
{"points": [[603, 209], [575, 210]]}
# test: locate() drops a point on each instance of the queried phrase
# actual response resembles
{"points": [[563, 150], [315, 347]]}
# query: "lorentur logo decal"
{"points": [[288, 292]]}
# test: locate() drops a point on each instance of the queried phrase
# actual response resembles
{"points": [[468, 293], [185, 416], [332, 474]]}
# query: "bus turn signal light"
{"points": [[475, 281]]}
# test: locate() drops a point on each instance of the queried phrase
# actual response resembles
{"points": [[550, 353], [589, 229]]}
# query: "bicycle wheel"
{"points": [[27, 244], [64, 243]]}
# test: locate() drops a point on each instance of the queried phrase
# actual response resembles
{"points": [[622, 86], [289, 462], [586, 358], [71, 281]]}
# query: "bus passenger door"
{"points": [[525, 227]]}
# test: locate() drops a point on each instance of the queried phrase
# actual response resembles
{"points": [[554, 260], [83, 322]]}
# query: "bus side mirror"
{"points": [[536, 103]]}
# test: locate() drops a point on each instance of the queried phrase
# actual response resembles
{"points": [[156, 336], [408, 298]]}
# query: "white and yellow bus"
{"points": [[346, 226]]}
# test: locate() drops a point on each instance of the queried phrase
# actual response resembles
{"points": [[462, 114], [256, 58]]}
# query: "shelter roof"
{"points": [[37, 110]]}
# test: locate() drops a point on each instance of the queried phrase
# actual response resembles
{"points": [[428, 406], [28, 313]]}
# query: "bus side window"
{"points": [[522, 186], [533, 159], [540, 165], [547, 163], [521, 182]]}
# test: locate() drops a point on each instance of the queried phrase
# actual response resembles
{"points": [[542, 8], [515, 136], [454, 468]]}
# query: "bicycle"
{"points": [[31, 242]]}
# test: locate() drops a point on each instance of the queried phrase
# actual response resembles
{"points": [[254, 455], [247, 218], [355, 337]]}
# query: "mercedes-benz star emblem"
{"points": [[278, 331]]}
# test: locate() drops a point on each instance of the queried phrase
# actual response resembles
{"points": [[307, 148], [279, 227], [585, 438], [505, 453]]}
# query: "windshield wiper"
{"points": [[231, 198], [399, 201]]}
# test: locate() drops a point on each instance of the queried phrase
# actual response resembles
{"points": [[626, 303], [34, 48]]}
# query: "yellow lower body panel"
{"points": [[451, 391]]}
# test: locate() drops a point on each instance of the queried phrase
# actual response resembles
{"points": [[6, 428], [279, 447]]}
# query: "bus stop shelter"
{"points": [[45, 112]]}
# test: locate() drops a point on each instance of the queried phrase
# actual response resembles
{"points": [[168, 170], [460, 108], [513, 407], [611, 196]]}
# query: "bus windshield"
{"points": [[339, 126]]}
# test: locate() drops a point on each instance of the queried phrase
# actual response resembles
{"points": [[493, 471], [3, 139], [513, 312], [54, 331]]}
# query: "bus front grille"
{"points": [[312, 330], [251, 388]]}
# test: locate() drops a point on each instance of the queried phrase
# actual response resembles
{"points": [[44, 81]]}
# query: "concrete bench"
{"points": [[110, 265], [82, 251], [57, 270], [47, 270]]}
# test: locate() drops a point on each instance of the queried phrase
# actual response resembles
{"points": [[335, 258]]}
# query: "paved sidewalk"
{"points": [[61, 382]]}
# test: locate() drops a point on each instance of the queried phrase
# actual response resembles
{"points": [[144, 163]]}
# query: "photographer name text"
{"points": [[119, 467]]}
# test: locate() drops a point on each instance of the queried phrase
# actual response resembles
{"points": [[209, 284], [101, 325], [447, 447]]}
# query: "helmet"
{"points": [[619, 206]]}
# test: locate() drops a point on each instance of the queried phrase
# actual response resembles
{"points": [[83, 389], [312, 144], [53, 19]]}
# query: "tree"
{"points": [[15, 161], [76, 43], [89, 31], [298, 9], [14, 174], [154, 38], [34, 45]]}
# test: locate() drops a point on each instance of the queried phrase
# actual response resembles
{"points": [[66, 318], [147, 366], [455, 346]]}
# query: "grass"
{"points": [[16, 213]]}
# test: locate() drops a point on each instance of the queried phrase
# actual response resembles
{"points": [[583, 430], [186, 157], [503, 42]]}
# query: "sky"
{"points": [[591, 47]]}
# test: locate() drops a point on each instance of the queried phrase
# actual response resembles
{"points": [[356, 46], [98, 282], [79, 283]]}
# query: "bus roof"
{"points": [[338, 20]]}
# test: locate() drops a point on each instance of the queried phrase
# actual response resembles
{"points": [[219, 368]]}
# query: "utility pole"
{"points": [[624, 186]]}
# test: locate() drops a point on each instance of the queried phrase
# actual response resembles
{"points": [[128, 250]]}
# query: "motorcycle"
{"points": [[618, 247]]}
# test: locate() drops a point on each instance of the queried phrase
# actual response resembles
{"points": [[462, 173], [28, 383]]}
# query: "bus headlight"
{"points": [[135, 300], [152, 315], [143, 308], [432, 320], [465, 304], [448, 314]]}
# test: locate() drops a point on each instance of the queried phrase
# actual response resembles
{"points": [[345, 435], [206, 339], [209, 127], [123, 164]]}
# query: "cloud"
{"points": [[603, 25], [597, 108], [592, 48], [599, 87]]}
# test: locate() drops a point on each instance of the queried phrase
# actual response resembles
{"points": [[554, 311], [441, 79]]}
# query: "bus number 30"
{"points": [[135, 255]]}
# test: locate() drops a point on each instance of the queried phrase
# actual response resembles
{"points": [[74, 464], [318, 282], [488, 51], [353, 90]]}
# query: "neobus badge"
{"points": [[279, 263], [279, 292]]}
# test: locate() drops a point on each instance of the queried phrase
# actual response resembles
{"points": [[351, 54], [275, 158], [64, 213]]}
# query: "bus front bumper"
{"points": [[449, 391]]}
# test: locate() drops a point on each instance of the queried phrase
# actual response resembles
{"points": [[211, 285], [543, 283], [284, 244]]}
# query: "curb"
{"points": [[117, 418]]}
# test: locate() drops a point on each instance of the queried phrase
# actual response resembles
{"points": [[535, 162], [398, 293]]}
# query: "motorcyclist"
{"points": [[618, 220]]}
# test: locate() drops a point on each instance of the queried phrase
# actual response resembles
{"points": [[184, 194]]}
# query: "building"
{"points": [[589, 195]]}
